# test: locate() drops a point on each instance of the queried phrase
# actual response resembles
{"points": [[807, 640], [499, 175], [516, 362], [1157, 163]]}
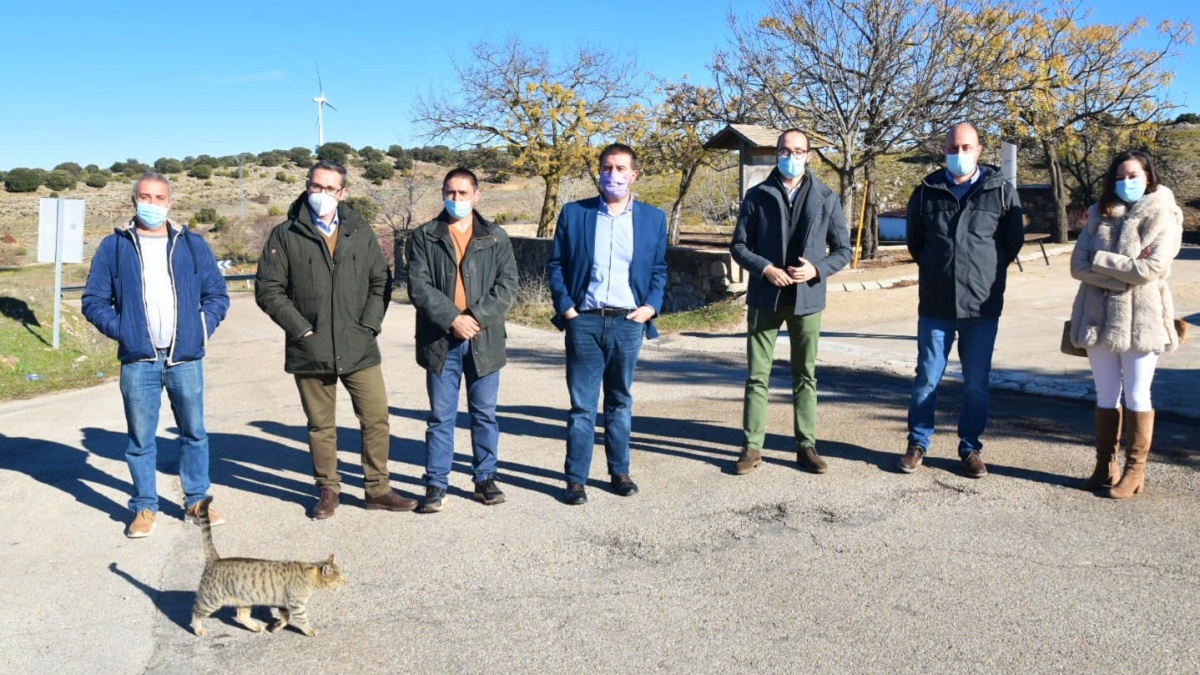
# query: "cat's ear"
{"points": [[327, 568]]}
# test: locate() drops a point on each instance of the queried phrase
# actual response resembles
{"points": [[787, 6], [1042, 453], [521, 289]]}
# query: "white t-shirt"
{"points": [[160, 297]]}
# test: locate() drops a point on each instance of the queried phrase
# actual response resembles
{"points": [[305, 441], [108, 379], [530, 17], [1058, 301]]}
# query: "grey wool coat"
{"points": [[1122, 262]]}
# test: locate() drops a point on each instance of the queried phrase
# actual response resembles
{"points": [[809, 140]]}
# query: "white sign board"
{"points": [[1008, 162], [72, 230]]}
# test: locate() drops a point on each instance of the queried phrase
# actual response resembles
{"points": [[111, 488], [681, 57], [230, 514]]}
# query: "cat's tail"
{"points": [[210, 551]]}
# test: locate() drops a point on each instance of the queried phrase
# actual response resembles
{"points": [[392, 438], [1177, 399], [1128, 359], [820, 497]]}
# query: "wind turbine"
{"points": [[321, 102]]}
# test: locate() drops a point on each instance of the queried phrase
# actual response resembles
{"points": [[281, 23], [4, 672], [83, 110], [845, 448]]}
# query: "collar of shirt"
{"points": [[322, 226], [628, 206], [974, 177]]}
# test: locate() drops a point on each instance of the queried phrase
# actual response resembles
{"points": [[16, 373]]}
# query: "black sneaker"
{"points": [[434, 500], [623, 485], [576, 495], [488, 493]]}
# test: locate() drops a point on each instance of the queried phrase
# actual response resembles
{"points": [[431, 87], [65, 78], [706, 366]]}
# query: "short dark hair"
{"points": [[1108, 193], [619, 149], [461, 172], [792, 130], [330, 165]]}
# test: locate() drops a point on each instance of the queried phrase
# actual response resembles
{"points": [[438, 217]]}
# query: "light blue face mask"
{"points": [[791, 167], [1131, 189], [457, 210], [960, 165], [151, 215]]}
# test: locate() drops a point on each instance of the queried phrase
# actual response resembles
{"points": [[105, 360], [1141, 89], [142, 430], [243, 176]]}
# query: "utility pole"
{"points": [[241, 160]]}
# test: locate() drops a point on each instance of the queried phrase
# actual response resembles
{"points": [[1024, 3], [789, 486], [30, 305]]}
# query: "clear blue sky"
{"points": [[94, 82]]}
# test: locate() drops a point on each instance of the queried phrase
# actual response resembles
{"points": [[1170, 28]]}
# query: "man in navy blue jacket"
{"points": [[156, 289], [607, 273]]}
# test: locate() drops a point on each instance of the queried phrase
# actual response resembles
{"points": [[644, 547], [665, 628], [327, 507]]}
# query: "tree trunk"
{"points": [[1058, 232], [846, 187], [870, 224], [549, 206], [685, 182]]}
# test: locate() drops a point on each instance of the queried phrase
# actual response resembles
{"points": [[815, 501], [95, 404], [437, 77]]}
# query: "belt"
{"points": [[607, 311]]}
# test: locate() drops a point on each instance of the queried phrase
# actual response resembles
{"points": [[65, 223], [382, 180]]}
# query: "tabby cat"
{"points": [[245, 582]]}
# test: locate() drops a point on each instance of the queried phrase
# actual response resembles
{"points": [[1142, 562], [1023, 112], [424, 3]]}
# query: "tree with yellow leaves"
{"points": [[549, 115]]}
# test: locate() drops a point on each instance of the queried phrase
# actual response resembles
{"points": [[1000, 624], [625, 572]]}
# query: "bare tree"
{"points": [[400, 210], [548, 113]]}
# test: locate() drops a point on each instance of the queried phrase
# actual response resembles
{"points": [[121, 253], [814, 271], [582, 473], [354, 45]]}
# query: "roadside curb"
{"points": [[909, 279]]}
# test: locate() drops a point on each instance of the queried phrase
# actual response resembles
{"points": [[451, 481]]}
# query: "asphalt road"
{"points": [[858, 570]]}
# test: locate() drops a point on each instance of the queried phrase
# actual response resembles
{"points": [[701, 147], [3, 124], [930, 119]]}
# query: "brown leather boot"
{"points": [[326, 505], [1108, 443], [1140, 424]]}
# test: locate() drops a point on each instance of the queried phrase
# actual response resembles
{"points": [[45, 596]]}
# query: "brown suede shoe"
{"points": [[391, 501], [911, 461], [973, 466], [326, 505], [809, 460], [748, 462]]}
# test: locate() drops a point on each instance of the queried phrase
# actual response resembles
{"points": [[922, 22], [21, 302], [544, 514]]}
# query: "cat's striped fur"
{"points": [[245, 582]]}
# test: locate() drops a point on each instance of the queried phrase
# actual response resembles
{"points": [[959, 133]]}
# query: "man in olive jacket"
{"points": [[462, 278], [323, 278], [965, 227], [790, 237]]}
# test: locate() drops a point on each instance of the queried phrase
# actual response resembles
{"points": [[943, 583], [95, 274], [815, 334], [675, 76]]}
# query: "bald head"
{"points": [[962, 151]]}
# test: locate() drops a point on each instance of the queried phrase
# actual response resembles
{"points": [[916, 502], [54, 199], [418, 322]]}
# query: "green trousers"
{"points": [[761, 332], [368, 396]]}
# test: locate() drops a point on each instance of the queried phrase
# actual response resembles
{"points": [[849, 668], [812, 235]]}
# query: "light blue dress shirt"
{"points": [[609, 285], [326, 229]]}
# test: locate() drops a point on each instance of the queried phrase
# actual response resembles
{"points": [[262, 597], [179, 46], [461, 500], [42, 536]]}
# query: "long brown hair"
{"points": [[1108, 194]]}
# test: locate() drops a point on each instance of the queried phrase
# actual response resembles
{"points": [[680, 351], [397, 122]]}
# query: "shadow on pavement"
{"points": [[175, 605], [67, 469]]}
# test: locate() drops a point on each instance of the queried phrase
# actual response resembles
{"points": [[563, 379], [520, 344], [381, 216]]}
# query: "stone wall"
{"points": [[695, 278]]}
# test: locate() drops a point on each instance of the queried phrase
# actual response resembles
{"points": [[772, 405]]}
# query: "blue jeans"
{"points": [[976, 343], [601, 351], [443, 410], [142, 383]]}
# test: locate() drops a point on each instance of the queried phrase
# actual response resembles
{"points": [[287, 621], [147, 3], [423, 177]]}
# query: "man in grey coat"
{"points": [[791, 237]]}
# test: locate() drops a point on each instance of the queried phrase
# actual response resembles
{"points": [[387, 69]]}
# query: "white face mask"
{"points": [[322, 204]]}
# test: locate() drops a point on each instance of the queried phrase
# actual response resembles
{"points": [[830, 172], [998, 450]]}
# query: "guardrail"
{"points": [[248, 278]]}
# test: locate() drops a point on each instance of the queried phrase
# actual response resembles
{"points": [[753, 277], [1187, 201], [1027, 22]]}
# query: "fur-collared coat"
{"points": [[1122, 262]]}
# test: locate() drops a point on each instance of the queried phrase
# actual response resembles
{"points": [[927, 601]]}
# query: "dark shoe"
{"points": [[435, 500], [809, 460], [623, 485], [973, 466], [390, 501], [748, 461], [576, 495], [488, 493], [326, 505], [911, 461]]}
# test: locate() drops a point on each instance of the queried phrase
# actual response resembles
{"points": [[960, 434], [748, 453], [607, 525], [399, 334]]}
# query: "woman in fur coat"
{"points": [[1123, 314]]}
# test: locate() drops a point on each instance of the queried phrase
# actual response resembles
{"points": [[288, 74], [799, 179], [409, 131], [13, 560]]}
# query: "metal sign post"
{"points": [[60, 239]]}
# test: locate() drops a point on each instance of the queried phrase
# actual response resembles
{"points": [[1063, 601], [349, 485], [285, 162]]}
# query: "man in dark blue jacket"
{"points": [[156, 289], [965, 227], [790, 237], [607, 274]]}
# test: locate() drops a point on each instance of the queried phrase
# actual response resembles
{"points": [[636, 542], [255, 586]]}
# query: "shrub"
{"points": [[284, 177], [275, 210], [201, 171], [70, 167], [396, 151], [300, 156], [91, 168], [333, 151], [371, 154], [272, 158], [403, 163], [131, 167], [207, 214], [22, 180], [60, 180], [96, 180], [1188, 118], [364, 206], [53, 194], [377, 172], [168, 165]]}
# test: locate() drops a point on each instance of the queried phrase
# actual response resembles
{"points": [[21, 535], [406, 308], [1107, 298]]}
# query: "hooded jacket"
{"points": [[1122, 262], [114, 299], [963, 248], [760, 239], [339, 297], [489, 278]]}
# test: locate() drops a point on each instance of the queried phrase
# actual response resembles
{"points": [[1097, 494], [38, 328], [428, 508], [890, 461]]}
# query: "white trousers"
{"points": [[1129, 370]]}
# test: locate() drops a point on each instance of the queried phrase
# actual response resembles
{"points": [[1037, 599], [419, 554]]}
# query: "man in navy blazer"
{"points": [[607, 273]]}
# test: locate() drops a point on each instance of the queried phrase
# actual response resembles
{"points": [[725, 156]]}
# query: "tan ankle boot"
{"points": [[1108, 443], [1140, 424]]}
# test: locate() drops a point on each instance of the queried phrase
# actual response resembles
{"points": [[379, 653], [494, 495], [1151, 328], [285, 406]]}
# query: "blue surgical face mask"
{"points": [[962, 164], [457, 210], [151, 216], [791, 167], [613, 185], [1131, 189]]}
